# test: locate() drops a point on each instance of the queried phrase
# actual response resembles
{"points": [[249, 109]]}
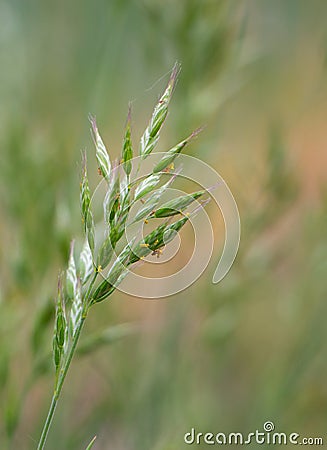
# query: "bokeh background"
{"points": [[223, 357]]}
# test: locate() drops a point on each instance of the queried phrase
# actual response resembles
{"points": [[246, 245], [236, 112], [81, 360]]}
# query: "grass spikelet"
{"points": [[177, 205], [76, 310], [146, 186], [71, 275], [101, 151], [87, 216], [116, 272], [106, 251], [112, 198], [127, 153], [171, 154], [151, 135], [60, 329], [152, 202], [73, 289], [85, 263]]}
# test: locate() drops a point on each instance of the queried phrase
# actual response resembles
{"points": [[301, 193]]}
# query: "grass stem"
{"points": [[65, 368]]}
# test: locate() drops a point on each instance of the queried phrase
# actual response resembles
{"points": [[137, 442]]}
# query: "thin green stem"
{"points": [[47, 423], [61, 379], [63, 372]]}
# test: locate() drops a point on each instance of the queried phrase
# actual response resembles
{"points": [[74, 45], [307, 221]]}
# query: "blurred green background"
{"points": [[223, 357]]}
